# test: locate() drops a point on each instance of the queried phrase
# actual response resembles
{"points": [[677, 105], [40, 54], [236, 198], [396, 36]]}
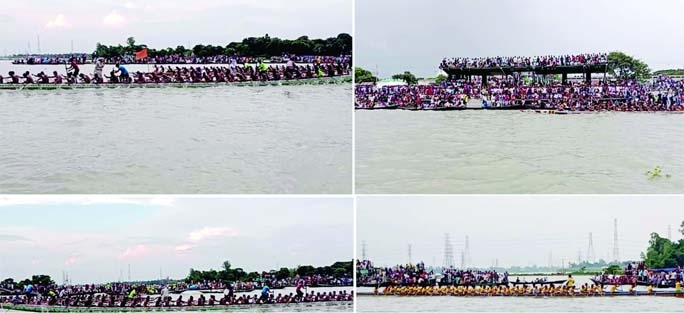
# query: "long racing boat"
{"points": [[575, 295], [325, 305], [292, 82]]}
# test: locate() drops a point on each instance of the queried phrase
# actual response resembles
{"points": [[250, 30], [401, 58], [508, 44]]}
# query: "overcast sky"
{"points": [[398, 35], [95, 239], [163, 23], [518, 230]]}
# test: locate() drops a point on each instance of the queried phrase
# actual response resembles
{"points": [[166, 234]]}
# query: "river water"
{"points": [[513, 304], [402, 152], [275, 139]]}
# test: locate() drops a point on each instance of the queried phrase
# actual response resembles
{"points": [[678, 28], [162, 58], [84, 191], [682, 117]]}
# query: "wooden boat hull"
{"points": [[391, 107], [294, 82], [576, 295], [446, 109]]}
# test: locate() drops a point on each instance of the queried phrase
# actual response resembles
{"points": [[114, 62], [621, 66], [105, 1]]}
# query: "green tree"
{"points": [[226, 266], [407, 77], [627, 67], [283, 273], [363, 76], [669, 72], [440, 78], [306, 270], [614, 269], [662, 252]]}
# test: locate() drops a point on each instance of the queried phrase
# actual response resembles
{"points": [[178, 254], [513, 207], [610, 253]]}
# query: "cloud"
{"points": [[184, 248], [5, 237], [114, 19], [212, 232], [134, 252], [60, 21], [72, 260], [131, 5]]}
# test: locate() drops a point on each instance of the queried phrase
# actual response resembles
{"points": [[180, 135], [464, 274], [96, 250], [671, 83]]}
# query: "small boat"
{"points": [[388, 107], [293, 82], [447, 108], [508, 107]]}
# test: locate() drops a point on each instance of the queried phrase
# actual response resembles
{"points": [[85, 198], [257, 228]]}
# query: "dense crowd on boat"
{"points": [[123, 288], [523, 61], [51, 60], [418, 275], [194, 74], [636, 273], [183, 59], [661, 94], [142, 300]]}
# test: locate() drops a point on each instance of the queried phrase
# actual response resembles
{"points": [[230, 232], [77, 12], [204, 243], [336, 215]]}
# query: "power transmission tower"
{"points": [[409, 254], [579, 256], [448, 252], [468, 261], [590, 249], [462, 260], [363, 250], [616, 251]]}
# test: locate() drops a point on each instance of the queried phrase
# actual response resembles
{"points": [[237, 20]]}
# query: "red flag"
{"points": [[141, 54]]}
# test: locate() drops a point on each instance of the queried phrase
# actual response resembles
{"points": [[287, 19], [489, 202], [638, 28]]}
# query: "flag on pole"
{"points": [[141, 54]]}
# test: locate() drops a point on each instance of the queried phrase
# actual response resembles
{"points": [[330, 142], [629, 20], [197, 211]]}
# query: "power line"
{"points": [[448, 252]]}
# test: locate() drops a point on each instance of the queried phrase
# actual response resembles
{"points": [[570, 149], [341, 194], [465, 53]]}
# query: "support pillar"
{"points": [[565, 78]]}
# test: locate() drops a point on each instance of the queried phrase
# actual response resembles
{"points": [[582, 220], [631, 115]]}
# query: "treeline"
{"points": [[42, 280], [264, 46], [230, 274], [669, 72]]}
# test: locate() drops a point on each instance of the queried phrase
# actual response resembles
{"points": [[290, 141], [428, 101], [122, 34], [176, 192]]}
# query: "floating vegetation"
{"points": [[657, 172]]}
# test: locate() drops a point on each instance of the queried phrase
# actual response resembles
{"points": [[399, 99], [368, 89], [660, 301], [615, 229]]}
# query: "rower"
{"points": [[27, 78], [97, 75], [300, 286], [43, 79], [571, 281], [74, 67], [84, 78], [264, 293], [123, 77]]}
